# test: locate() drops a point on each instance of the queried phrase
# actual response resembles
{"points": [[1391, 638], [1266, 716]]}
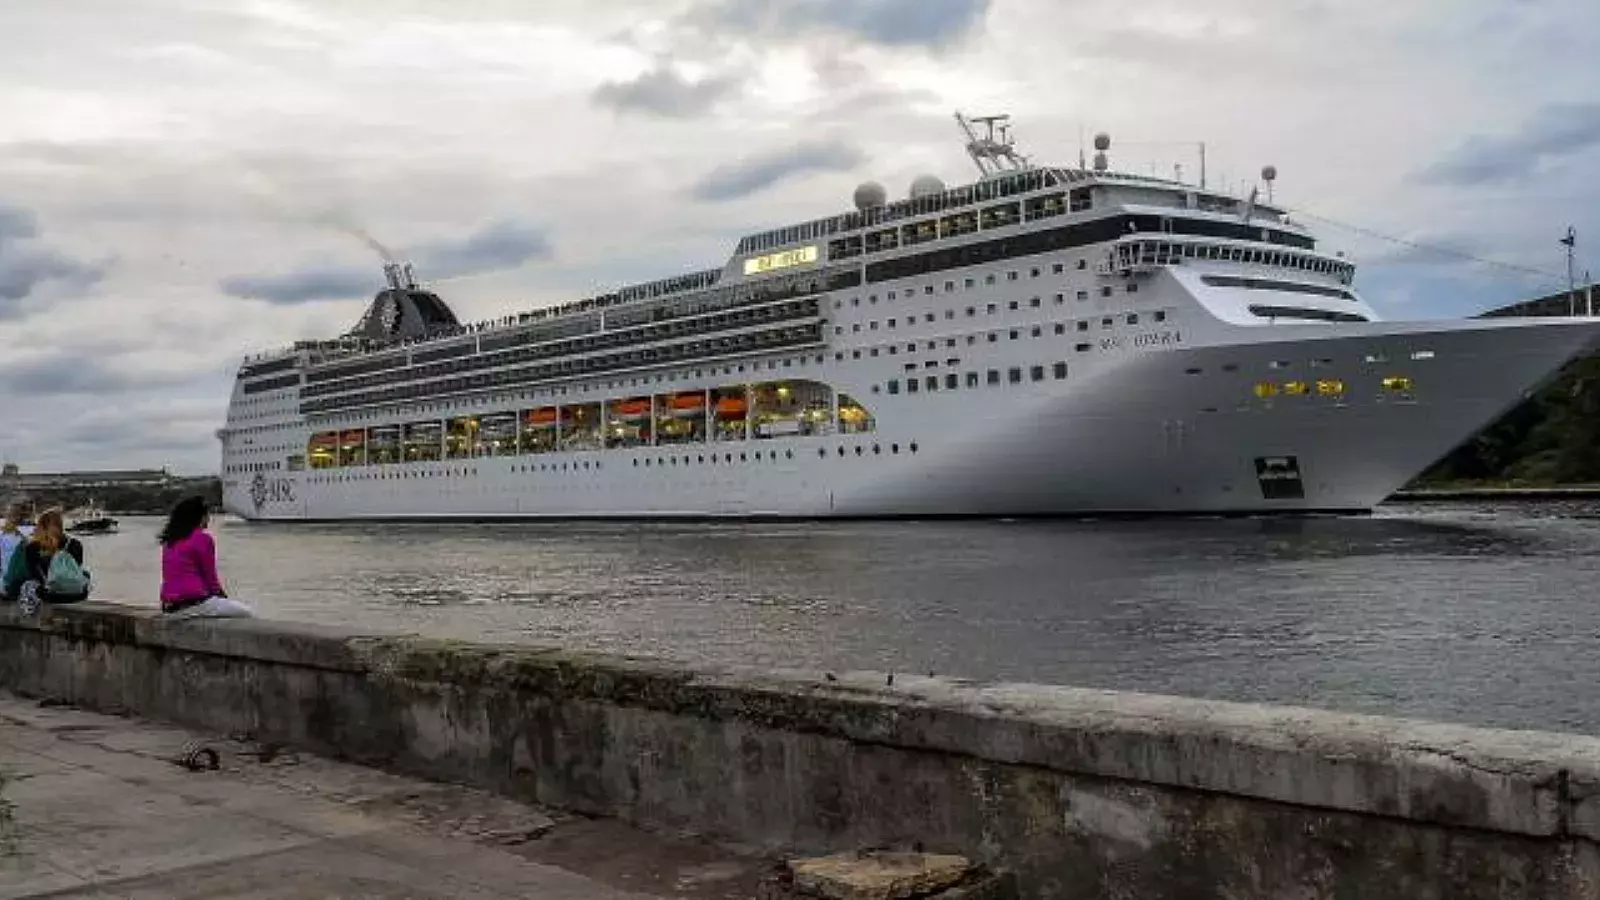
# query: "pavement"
{"points": [[100, 806]]}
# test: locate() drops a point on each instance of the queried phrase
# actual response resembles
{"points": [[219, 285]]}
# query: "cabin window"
{"points": [[972, 379], [894, 386], [1060, 370], [994, 376], [1036, 373], [1014, 375]]}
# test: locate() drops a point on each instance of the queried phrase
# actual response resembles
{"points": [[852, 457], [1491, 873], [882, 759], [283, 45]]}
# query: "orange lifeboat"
{"points": [[325, 440], [632, 409], [544, 417], [731, 407], [353, 437], [688, 404]]}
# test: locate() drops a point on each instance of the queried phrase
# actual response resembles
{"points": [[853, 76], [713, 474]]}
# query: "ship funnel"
{"points": [[399, 276]]}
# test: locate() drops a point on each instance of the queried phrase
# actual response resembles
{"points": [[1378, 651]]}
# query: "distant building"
{"points": [[1566, 303], [15, 481]]}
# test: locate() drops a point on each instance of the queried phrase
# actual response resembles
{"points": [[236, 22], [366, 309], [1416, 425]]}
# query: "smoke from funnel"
{"points": [[258, 184], [361, 235]]}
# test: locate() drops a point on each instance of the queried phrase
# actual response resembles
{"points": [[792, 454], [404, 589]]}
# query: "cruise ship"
{"points": [[1045, 340]]}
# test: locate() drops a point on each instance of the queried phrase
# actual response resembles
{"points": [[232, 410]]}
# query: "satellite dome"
{"points": [[1102, 142], [1269, 173], [924, 185], [870, 194]]}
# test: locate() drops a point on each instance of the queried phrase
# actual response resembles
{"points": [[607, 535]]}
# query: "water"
{"points": [[1476, 613]]}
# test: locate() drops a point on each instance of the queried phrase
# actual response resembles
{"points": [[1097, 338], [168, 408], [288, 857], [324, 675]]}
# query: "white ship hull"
{"points": [[1148, 439]]}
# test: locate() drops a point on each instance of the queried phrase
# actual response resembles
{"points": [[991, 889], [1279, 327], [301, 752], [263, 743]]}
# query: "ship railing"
{"points": [[1141, 254]]}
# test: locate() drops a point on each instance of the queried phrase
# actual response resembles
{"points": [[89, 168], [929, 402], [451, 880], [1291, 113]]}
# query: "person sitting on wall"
{"points": [[14, 532], [48, 568], [190, 586]]}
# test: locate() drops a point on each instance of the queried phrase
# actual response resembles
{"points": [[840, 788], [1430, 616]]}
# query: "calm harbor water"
{"points": [[1482, 613]]}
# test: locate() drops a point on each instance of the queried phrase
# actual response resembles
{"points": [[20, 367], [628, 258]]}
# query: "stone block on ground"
{"points": [[878, 875]]}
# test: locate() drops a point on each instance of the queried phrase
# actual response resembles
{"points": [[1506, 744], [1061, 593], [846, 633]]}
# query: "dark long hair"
{"points": [[187, 515]]}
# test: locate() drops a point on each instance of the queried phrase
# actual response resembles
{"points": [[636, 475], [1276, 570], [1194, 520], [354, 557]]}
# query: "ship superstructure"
{"points": [[1045, 340]]}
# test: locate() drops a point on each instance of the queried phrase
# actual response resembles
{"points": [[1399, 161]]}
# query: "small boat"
{"points": [[90, 520]]}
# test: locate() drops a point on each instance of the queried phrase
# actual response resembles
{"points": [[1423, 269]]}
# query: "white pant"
{"points": [[214, 608]]}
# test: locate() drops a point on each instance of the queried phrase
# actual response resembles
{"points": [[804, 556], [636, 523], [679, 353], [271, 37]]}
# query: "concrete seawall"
{"points": [[1083, 794]]}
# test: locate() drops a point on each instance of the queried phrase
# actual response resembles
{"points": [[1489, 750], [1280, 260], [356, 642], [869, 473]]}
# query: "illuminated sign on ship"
{"points": [[783, 259]]}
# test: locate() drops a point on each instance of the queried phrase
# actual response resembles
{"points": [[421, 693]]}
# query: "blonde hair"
{"points": [[50, 534]]}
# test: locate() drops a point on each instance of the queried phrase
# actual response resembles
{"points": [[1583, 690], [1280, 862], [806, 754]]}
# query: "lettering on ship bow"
{"points": [[264, 490]]}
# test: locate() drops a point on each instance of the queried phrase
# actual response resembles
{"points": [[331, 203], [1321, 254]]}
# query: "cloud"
{"points": [[892, 23], [307, 284], [26, 264], [505, 244], [1555, 132], [757, 173], [664, 92], [41, 376]]}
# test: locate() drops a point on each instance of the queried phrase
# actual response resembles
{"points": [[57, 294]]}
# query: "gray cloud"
{"points": [[16, 224], [504, 244], [893, 23], [306, 284], [1556, 131], [25, 264], [100, 376], [663, 92], [757, 173]]}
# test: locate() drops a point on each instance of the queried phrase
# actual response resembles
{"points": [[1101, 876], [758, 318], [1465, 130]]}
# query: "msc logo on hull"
{"points": [[264, 490]]}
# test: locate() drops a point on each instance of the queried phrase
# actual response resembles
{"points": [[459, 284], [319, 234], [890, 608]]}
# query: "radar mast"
{"points": [[994, 152]]}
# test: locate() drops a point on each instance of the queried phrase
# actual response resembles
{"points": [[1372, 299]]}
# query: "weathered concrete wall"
{"points": [[1085, 794]]}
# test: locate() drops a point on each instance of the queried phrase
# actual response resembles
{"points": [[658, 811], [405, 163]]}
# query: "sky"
{"points": [[184, 182]]}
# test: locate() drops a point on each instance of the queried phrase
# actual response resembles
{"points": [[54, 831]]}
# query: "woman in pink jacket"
{"points": [[190, 586]]}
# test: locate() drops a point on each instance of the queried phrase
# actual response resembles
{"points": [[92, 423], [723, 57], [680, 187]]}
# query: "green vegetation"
{"points": [[1553, 438]]}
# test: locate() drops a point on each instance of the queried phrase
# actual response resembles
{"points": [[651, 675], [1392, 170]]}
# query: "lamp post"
{"points": [[1571, 243]]}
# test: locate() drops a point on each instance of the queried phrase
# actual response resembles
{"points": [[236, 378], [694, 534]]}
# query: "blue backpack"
{"points": [[65, 576]]}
